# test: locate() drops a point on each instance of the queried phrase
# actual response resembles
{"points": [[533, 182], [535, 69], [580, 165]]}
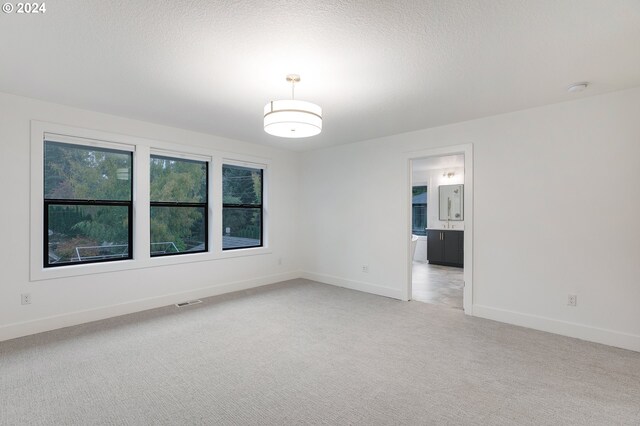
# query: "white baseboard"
{"points": [[565, 328], [19, 329], [354, 285]]}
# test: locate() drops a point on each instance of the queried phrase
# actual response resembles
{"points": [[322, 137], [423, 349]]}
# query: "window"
{"points": [[87, 204], [242, 214], [419, 210], [179, 211], [93, 210]]}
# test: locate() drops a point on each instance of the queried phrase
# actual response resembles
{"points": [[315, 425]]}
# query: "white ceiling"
{"points": [[376, 67]]}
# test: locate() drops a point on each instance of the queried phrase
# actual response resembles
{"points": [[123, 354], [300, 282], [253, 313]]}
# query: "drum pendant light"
{"points": [[292, 118]]}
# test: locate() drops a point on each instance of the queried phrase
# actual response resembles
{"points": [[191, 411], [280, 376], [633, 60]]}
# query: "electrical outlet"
{"points": [[365, 268], [26, 298], [279, 261], [572, 300]]}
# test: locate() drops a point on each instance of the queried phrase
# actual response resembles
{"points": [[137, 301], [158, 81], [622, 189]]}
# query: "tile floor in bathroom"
{"points": [[441, 285]]}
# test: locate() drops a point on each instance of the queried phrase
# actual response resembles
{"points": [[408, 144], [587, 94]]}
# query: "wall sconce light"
{"points": [[448, 175]]}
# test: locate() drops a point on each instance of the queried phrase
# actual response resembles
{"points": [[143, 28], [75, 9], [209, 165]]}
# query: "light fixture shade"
{"points": [[292, 119]]}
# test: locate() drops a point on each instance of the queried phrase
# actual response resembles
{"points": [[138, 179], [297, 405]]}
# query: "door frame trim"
{"points": [[467, 151]]}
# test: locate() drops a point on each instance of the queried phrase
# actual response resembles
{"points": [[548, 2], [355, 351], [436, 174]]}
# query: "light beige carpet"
{"points": [[307, 353]]}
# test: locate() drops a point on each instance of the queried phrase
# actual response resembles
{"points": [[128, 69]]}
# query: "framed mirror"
{"points": [[451, 202]]}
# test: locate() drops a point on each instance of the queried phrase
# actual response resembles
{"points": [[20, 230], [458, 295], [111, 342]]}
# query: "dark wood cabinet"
{"points": [[445, 247], [435, 246]]}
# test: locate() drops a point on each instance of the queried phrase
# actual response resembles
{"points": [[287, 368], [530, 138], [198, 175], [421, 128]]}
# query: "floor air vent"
{"points": [[190, 302]]}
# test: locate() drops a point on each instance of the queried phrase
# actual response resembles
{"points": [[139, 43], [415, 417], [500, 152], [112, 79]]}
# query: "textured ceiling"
{"points": [[376, 67]]}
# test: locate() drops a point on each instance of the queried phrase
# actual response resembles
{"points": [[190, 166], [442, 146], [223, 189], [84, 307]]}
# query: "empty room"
{"points": [[337, 212]]}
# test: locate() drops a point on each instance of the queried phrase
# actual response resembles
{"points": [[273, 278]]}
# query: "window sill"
{"points": [[42, 274]]}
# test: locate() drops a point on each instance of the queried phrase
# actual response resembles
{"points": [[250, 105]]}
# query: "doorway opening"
{"points": [[440, 185]]}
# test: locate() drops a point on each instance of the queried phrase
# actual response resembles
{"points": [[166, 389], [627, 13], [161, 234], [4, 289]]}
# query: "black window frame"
{"points": [[87, 202], [204, 205], [259, 207]]}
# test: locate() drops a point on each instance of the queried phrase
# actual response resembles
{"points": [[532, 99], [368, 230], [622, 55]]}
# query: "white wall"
{"points": [[543, 226], [66, 301], [433, 179]]}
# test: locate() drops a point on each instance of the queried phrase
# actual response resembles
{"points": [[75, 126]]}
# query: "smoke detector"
{"points": [[577, 87]]}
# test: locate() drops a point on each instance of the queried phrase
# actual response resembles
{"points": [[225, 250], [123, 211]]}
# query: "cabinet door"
{"points": [[451, 246], [461, 249], [435, 243]]}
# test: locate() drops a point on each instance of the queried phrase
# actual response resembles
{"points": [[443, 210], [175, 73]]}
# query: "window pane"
{"points": [[419, 194], [180, 227], [419, 219], [241, 227], [241, 185], [178, 180], [79, 233], [86, 173], [177, 230], [419, 210]]}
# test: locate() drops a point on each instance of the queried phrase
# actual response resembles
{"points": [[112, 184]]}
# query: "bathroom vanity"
{"points": [[445, 247]]}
